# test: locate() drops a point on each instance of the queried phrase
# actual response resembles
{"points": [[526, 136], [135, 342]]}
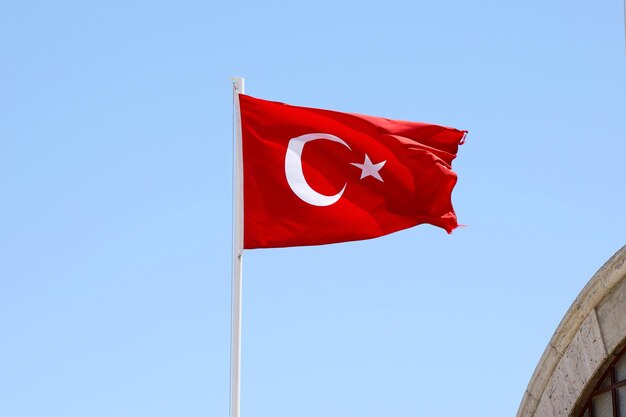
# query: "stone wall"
{"points": [[585, 342]]}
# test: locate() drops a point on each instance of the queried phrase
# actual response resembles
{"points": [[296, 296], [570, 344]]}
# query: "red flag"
{"points": [[314, 176]]}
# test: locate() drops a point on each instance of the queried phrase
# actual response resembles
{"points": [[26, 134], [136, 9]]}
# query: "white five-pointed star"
{"points": [[368, 169]]}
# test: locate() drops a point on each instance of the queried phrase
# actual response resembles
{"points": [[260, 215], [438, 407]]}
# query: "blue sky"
{"points": [[115, 214]]}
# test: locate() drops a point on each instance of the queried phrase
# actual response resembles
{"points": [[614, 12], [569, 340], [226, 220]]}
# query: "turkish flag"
{"points": [[313, 176]]}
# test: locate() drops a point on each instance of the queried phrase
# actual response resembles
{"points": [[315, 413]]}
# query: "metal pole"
{"points": [[235, 343]]}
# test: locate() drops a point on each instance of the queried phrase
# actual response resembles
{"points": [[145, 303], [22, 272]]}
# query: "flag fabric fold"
{"points": [[314, 176]]}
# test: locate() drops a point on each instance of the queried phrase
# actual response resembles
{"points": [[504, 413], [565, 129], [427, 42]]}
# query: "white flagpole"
{"points": [[235, 343]]}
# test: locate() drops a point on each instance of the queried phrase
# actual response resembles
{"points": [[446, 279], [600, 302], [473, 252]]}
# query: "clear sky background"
{"points": [[115, 204]]}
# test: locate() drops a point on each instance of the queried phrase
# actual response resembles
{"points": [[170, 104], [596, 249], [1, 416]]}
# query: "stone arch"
{"points": [[591, 334]]}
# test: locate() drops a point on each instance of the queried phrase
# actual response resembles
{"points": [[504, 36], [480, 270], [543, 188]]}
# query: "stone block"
{"points": [[580, 361], [612, 317], [529, 406]]}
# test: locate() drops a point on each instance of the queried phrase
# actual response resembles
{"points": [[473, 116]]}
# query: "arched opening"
{"points": [[608, 399]]}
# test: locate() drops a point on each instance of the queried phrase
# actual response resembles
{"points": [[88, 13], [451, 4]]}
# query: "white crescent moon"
{"points": [[295, 176]]}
